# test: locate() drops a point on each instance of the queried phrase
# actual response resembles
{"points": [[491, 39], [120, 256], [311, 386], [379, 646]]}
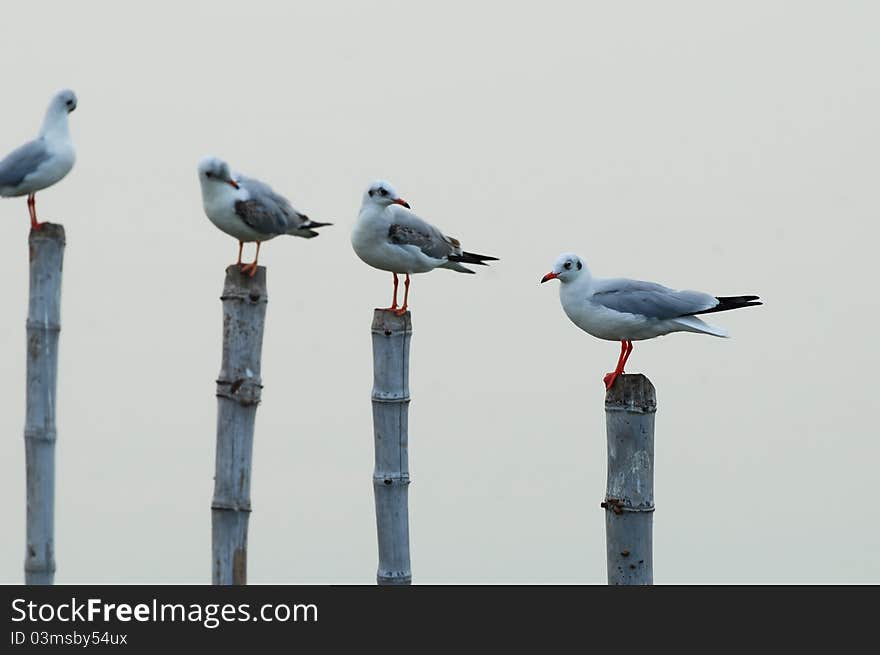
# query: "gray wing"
{"points": [[266, 211], [650, 299], [21, 162], [410, 230]]}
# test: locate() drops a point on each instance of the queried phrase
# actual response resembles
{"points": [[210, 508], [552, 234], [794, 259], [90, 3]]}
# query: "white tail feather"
{"points": [[693, 324]]}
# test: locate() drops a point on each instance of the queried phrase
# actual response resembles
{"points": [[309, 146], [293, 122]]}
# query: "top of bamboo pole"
{"points": [[53, 231], [243, 286], [633, 393], [385, 320]]}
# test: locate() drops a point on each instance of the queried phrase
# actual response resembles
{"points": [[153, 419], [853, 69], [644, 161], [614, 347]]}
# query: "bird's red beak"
{"points": [[549, 276], [401, 201], [232, 183]]}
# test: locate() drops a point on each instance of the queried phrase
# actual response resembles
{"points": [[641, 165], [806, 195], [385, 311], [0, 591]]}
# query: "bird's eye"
{"points": [[383, 192], [567, 266], [580, 266]]}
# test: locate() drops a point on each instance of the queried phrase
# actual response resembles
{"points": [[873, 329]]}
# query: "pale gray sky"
{"points": [[728, 147]]}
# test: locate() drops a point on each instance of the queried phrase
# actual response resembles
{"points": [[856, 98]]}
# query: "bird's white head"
{"points": [[55, 122], [213, 170], [64, 101], [567, 268], [381, 193]]}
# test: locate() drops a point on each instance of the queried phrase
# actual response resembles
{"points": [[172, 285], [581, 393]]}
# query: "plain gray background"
{"points": [[728, 147]]}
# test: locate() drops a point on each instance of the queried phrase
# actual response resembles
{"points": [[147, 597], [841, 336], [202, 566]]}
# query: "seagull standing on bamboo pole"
{"points": [[389, 236], [624, 310], [248, 209], [40, 163]]}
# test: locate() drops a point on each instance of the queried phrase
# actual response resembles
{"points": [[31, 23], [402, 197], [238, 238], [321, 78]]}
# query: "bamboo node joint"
{"points": [[386, 397], [631, 407], [246, 296], [394, 578], [244, 391], [40, 434], [619, 506], [43, 325], [231, 506], [391, 479], [385, 332], [38, 567]]}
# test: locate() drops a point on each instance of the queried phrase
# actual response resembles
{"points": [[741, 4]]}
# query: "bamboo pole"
{"points": [[43, 328], [238, 394], [391, 338], [630, 406]]}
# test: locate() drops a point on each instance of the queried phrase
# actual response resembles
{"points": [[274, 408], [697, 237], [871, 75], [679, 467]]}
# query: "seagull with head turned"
{"points": [[40, 163], [618, 309], [248, 209], [389, 236]]}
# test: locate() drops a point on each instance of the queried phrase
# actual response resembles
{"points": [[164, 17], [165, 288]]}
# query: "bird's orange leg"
{"points": [[32, 210], [626, 348], [394, 300], [251, 269], [240, 247], [629, 349], [405, 305]]}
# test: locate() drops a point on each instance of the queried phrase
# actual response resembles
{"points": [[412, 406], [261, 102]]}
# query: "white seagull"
{"points": [[40, 163], [389, 236], [248, 209], [624, 310]]}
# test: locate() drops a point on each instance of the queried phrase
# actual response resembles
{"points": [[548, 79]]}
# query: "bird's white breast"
{"points": [[218, 201]]}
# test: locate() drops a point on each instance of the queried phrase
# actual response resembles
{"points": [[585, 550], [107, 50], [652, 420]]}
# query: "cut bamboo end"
{"points": [[632, 393], [242, 286], [49, 231], [387, 322]]}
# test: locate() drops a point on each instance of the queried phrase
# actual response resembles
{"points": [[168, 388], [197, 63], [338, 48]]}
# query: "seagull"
{"points": [[389, 236], [248, 209], [40, 163], [624, 310]]}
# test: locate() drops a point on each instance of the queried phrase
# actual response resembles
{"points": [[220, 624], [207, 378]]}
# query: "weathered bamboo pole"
{"points": [[238, 394], [43, 328], [630, 406], [391, 338]]}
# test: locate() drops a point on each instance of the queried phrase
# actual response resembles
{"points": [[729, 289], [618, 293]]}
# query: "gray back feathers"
{"points": [[410, 230], [650, 299], [21, 162], [266, 211]]}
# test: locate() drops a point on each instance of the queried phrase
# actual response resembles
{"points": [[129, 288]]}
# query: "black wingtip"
{"points": [[726, 303], [473, 258], [737, 298], [487, 258]]}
